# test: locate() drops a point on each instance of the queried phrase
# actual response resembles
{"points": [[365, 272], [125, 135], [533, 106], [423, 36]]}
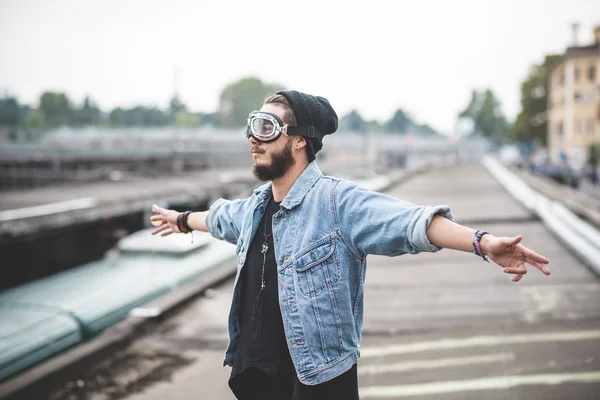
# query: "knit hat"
{"points": [[312, 110]]}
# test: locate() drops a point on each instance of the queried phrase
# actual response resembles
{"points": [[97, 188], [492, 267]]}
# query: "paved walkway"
{"points": [[438, 326]]}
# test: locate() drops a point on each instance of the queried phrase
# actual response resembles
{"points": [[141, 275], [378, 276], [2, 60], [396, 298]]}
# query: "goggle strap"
{"points": [[306, 131]]}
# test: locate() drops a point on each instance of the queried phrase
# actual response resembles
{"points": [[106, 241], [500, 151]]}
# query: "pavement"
{"points": [[437, 326]]}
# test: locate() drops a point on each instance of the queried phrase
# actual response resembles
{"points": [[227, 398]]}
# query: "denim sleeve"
{"points": [[375, 223], [225, 217]]}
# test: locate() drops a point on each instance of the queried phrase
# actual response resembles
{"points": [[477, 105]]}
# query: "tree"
{"points": [[352, 122], [56, 108], [184, 119], [531, 122], [34, 120], [117, 117], [474, 106], [400, 122], [176, 107], [138, 116], [208, 118], [239, 98], [88, 114], [485, 112], [373, 126], [426, 130], [491, 121], [10, 114]]}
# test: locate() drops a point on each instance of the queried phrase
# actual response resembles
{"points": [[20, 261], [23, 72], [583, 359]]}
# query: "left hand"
{"points": [[512, 256]]}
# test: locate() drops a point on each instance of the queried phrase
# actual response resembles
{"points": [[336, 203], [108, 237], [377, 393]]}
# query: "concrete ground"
{"points": [[437, 326]]}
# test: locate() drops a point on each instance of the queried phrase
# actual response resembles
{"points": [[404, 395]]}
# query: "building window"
{"points": [[589, 128], [578, 125], [578, 98], [576, 74], [591, 73]]}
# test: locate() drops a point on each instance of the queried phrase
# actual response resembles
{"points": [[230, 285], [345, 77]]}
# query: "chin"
{"points": [[261, 162]]}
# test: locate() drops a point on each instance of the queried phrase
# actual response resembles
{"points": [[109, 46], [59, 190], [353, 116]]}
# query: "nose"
{"points": [[253, 141]]}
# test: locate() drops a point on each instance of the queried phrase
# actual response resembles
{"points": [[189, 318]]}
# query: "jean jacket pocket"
{"points": [[317, 269]]}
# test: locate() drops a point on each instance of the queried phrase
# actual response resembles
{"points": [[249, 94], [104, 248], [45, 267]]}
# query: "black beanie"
{"points": [[312, 110]]}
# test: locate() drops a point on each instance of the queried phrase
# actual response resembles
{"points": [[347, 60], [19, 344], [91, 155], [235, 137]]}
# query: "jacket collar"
{"points": [[305, 181]]}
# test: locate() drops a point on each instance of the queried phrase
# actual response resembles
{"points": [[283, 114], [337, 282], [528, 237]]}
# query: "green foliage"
{"points": [[184, 119], [209, 118], [10, 114], [239, 98], [56, 108], [373, 126], [138, 116], [427, 130], [87, 114], [34, 120], [352, 122], [175, 105], [531, 121], [400, 122], [236, 100], [484, 109]]}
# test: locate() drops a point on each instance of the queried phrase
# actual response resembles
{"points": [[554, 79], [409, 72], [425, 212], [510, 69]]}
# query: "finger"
{"points": [[159, 210], [161, 228], [515, 240], [517, 278], [533, 256], [157, 220], [520, 270], [539, 266], [167, 232]]}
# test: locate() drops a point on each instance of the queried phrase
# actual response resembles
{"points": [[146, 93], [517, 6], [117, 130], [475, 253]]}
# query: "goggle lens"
{"points": [[263, 128]]}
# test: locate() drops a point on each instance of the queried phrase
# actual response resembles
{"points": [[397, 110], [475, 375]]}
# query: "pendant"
{"points": [[265, 248]]}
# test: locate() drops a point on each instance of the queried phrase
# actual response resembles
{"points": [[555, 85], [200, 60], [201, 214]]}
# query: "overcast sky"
{"points": [[375, 56]]}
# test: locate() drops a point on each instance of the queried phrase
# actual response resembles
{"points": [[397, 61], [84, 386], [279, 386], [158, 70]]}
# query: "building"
{"points": [[574, 103]]}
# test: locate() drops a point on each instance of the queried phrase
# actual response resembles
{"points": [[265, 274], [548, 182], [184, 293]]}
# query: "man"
{"points": [[302, 240]]}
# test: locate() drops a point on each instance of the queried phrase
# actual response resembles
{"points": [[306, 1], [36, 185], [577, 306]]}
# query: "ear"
{"points": [[299, 142]]}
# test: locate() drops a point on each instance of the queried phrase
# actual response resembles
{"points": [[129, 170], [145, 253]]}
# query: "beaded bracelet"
{"points": [[476, 246]]}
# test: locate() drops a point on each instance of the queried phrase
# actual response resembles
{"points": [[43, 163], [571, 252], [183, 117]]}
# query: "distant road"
{"points": [[61, 205]]}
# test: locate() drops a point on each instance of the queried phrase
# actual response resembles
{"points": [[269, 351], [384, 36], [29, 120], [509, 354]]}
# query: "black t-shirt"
{"points": [[262, 342], [262, 366]]}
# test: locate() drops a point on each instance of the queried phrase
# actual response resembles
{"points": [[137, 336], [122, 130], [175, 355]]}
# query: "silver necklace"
{"points": [[264, 250]]}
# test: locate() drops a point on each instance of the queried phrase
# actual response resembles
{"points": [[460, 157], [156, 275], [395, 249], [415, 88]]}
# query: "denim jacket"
{"points": [[325, 229]]}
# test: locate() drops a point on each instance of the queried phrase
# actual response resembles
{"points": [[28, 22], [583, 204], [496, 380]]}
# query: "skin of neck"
{"points": [[282, 186]]}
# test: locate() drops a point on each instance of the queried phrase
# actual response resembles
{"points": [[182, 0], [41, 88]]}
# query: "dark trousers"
{"points": [[254, 384]]}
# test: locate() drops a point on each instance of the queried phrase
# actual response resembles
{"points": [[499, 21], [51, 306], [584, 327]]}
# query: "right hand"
{"points": [[165, 220]]}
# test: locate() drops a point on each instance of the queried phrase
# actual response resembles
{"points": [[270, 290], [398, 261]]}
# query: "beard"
{"points": [[280, 164]]}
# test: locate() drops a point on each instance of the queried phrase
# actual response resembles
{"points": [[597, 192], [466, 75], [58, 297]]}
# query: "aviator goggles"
{"points": [[266, 127]]}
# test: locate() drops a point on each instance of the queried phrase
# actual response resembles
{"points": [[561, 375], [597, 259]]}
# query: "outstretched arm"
{"points": [[222, 220], [166, 221], [504, 251]]}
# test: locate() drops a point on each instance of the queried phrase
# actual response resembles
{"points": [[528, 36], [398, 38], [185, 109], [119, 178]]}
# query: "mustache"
{"points": [[255, 149]]}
